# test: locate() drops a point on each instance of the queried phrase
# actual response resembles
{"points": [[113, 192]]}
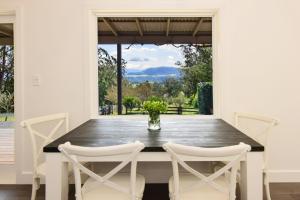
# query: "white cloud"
{"points": [[141, 57]]}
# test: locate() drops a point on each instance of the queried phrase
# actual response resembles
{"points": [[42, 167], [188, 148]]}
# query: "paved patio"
{"points": [[7, 125]]}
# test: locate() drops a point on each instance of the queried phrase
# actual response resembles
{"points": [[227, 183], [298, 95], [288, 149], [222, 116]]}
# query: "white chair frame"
{"points": [[37, 152], [261, 137], [233, 153], [128, 151]]}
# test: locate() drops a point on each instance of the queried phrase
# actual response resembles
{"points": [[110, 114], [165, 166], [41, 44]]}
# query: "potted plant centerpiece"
{"points": [[154, 108]]}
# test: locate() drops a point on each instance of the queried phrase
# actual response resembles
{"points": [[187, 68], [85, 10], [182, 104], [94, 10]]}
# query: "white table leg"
{"points": [[56, 177], [252, 177]]}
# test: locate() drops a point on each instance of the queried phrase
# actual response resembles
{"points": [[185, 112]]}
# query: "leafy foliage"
{"points": [[6, 102], [7, 69], [179, 100], [158, 90], [155, 98], [107, 73], [144, 91], [154, 108], [6, 78], [172, 87], [205, 98], [130, 103], [197, 67]]}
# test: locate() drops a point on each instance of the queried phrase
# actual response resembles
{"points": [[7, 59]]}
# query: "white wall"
{"points": [[259, 62], [257, 52]]}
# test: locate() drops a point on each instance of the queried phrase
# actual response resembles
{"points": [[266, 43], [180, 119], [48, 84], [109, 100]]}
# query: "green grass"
{"points": [[10, 118]]}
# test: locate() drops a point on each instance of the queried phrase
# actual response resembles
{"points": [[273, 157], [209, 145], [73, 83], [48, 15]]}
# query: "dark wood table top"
{"points": [[194, 132]]}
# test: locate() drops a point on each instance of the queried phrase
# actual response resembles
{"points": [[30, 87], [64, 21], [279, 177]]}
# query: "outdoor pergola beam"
{"points": [[168, 27], [6, 41], [197, 27], [6, 32], [137, 21], [200, 39], [110, 27]]}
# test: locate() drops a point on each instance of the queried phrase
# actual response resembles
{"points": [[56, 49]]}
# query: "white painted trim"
{"points": [[216, 67], [154, 13], [92, 56], [14, 15], [284, 176], [93, 14]]}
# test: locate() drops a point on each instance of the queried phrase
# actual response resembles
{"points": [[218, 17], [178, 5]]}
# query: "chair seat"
{"points": [[201, 192], [105, 192]]}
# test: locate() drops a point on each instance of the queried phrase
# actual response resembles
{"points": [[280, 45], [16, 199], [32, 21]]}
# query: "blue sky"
{"points": [[140, 57]]}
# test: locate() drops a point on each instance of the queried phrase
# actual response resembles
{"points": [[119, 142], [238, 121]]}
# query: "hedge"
{"points": [[205, 98]]}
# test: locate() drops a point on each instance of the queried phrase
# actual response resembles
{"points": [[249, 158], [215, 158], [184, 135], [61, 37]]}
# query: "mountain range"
{"points": [[152, 74]]}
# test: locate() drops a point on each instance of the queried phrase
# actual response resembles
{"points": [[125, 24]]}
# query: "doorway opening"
{"points": [[7, 118]]}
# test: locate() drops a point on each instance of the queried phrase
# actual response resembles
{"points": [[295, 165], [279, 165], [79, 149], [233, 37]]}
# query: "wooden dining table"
{"points": [[193, 131]]}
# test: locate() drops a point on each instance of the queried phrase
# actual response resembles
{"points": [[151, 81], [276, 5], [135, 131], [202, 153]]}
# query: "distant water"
{"points": [[152, 74]]}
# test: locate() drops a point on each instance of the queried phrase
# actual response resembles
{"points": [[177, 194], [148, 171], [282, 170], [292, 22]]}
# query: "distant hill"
{"points": [[152, 74], [163, 70]]}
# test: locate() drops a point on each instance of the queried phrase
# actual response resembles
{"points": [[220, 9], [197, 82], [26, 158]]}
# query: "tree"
{"points": [[107, 73], [130, 103], [158, 89], [196, 68], [7, 69], [172, 87], [144, 91], [179, 100], [128, 88], [6, 103]]}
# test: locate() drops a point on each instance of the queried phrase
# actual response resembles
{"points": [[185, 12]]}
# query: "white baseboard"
{"points": [[25, 177], [284, 176], [161, 176]]}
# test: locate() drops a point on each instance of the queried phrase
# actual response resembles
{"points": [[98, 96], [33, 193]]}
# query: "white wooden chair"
{"points": [[39, 140], [113, 185], [198, 186], [261, 136]]}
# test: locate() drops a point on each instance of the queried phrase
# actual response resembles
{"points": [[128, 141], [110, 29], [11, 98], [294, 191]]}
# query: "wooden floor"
{"points": [[7, 153], [280, 191]]}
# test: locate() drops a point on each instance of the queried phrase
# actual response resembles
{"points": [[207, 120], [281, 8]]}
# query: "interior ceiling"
{"points": [[155, 30], [6, 34]]}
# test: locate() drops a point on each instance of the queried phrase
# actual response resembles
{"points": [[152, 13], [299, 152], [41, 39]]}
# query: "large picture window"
{"points": [[155, 59]]}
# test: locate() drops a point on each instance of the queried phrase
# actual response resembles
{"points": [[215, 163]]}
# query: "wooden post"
{"points": [[119, 74]]}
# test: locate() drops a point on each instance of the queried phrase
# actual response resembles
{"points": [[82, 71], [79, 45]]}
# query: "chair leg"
{"points": [[267, 187], [35, 187]]}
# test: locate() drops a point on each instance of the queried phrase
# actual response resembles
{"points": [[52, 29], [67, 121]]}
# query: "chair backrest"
{"points": [[59, 120], [180, 152], [127, 153], [261, 134]]}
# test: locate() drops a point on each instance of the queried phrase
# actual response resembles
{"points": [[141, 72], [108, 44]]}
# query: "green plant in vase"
{"points": [[154, 108]]}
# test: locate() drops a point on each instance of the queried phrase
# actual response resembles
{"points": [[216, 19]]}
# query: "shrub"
{"points": [[130, 103], [155, 98], [6, 103], [179, 100], [194, 100], [205, 98]]}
